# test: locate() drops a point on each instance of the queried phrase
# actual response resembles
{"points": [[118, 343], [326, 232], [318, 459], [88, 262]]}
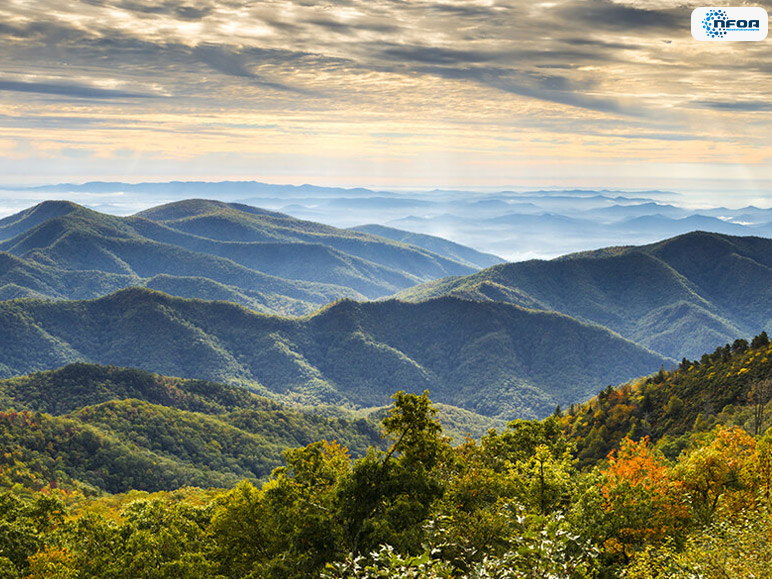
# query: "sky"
{"points": [[382, 93]]}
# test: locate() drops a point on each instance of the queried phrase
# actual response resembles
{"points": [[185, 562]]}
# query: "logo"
{"points": [[729, 24]]}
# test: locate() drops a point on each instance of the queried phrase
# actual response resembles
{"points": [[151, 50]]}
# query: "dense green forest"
{"points": [[99, 428], [679, 297], [687, 496], [732, 385], [494, 359]]}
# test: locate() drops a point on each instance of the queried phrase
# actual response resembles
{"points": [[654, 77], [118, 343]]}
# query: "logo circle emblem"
{"points": [[707, 23]]}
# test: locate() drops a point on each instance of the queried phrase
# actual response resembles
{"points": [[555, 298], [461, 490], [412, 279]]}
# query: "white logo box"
{"points": [[729, 23]]}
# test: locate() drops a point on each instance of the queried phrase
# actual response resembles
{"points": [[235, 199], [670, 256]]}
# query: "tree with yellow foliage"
{"points": [[717, 474]]}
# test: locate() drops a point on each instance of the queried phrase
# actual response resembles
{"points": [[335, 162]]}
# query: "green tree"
{"points": [[240, 533], [387, 496], [24, 525], [154, 538], [544, 482], [289, 527], [520, 440]]}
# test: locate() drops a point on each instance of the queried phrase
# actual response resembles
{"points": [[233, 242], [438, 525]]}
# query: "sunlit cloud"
{"points": [[360, 90]]}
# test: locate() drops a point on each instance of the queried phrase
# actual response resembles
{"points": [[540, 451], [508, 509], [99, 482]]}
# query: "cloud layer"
{"points": [[475, 89]]}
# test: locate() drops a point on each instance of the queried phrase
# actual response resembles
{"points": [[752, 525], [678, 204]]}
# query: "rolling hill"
{"points": [[234, 222], [115, 429], [197, 248], [496, 359], [679, 297]]}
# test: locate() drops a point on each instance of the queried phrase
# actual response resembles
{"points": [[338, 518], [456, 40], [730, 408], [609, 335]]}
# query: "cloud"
{"points": [[238, 64], [70, 90], [56, 121], [340, 72], [353, 27], [591, 15], [182, 10], [462, 10], [736, 106], [550, 88], [223, 60], [436, 55], [308, 48], [654, 136], [600, 44]]}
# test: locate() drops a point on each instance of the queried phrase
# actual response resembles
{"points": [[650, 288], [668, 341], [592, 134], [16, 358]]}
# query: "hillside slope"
{"points": [[492, 358], [730, 386], [234, 222], [679, 297]]}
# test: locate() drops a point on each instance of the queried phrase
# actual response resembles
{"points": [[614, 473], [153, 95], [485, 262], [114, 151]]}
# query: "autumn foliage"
{"points": [[641, 497]]}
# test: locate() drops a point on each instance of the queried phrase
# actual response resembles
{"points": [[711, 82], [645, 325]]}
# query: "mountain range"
{"points": [[455, 251], [516, 225], [495, 359], [195, 248], [679, 297], [511, 340], [139, 409]]}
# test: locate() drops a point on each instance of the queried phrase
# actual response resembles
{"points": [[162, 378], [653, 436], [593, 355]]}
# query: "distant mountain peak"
{"points": [[56, 204], [42, 211], [201, 207], [38, 214]]}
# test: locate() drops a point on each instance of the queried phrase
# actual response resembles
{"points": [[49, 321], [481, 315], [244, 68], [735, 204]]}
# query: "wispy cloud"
{"points": [[615, 16]]}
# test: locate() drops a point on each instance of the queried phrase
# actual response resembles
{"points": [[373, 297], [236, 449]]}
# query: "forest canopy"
{"points": [[631, 484]]}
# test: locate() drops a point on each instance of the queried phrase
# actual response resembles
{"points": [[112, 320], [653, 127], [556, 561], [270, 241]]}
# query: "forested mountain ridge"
{"points": [[20, 222], [495, 359], [235, 222], [197, 248], [679, 297], [730, 386], [76, 385], [100, 428]]}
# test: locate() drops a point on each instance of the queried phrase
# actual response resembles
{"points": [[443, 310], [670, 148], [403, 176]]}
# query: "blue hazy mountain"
{"points": [[454, 251], [601, 217]]}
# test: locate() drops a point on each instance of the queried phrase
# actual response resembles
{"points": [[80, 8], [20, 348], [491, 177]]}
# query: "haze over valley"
{"points": [[513, 225]]}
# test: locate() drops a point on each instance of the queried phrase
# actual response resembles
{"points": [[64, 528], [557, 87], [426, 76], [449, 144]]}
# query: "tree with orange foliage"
{"points": [[641, 502]]}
